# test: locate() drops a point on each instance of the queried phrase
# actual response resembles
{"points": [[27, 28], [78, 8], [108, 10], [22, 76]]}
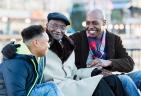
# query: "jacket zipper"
{"points": [[35, 79]]}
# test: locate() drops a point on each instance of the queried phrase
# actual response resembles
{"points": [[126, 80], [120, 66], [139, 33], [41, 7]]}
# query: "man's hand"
{"points": [[9, 50], [100, 63], [106, 72]]}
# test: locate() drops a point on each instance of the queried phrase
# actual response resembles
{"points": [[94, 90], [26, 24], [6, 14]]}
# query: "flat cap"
{"points": [[58, 16]]}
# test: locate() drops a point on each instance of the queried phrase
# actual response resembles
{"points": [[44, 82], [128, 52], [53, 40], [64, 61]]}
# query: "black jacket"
{"points": [[114, 50]]}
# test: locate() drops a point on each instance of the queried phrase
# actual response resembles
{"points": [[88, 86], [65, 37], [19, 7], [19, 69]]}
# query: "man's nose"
{"points": [[58, 30], [91, 25]]}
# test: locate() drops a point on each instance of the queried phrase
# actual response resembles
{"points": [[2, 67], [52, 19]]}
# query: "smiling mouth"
{"points": [[92, 32]]}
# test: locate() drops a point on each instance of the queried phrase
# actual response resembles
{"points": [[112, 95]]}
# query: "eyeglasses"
{"points": [[56, 26]]}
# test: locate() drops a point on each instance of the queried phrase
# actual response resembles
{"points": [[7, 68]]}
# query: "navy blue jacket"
{"points": [[21, 74]]}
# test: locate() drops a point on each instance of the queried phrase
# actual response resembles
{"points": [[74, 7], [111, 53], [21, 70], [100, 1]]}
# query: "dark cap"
{"points": [[58, 16]]}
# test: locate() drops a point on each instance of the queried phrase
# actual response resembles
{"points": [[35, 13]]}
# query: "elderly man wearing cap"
{"points": [[60, 66]]}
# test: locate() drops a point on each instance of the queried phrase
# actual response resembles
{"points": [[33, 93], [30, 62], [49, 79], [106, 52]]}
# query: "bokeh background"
{"points": [[123, 18]]}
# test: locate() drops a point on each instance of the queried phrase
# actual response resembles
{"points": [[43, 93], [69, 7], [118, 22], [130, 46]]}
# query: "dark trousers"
{"points": [[103, 89], [115, 84], [110, 86]]}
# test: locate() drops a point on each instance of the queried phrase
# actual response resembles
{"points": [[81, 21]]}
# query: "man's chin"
{"points": [[92, 34], [57, 38]]}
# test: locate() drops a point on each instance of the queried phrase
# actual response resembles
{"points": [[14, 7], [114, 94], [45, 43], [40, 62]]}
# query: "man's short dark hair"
{"points": [[31, 32]]}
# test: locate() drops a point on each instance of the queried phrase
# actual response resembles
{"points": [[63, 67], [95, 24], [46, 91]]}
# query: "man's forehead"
{"points": [[60, 22], [95, 15], [93, 18]]}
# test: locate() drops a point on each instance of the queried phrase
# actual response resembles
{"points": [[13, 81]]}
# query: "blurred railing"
{"points": [[136, 55]]}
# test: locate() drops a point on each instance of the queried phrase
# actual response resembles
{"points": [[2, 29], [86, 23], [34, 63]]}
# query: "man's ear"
{"points": [[35, 43], [104, 22]]}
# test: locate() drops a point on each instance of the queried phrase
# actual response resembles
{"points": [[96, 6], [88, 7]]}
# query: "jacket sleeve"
{"points": [[84, 73], [15, 75], [122, 62], [72, 71]]}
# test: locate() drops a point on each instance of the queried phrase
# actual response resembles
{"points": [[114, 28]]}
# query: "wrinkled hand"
{"points": [[10, 49], [100, 63]]}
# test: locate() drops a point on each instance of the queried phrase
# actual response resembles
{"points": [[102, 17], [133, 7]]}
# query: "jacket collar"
{"points": [[23, 49], [109, 46]]}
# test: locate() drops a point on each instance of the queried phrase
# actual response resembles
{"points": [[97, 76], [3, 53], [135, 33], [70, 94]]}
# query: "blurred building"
{"points": [[17, 14], [123, 16]]}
